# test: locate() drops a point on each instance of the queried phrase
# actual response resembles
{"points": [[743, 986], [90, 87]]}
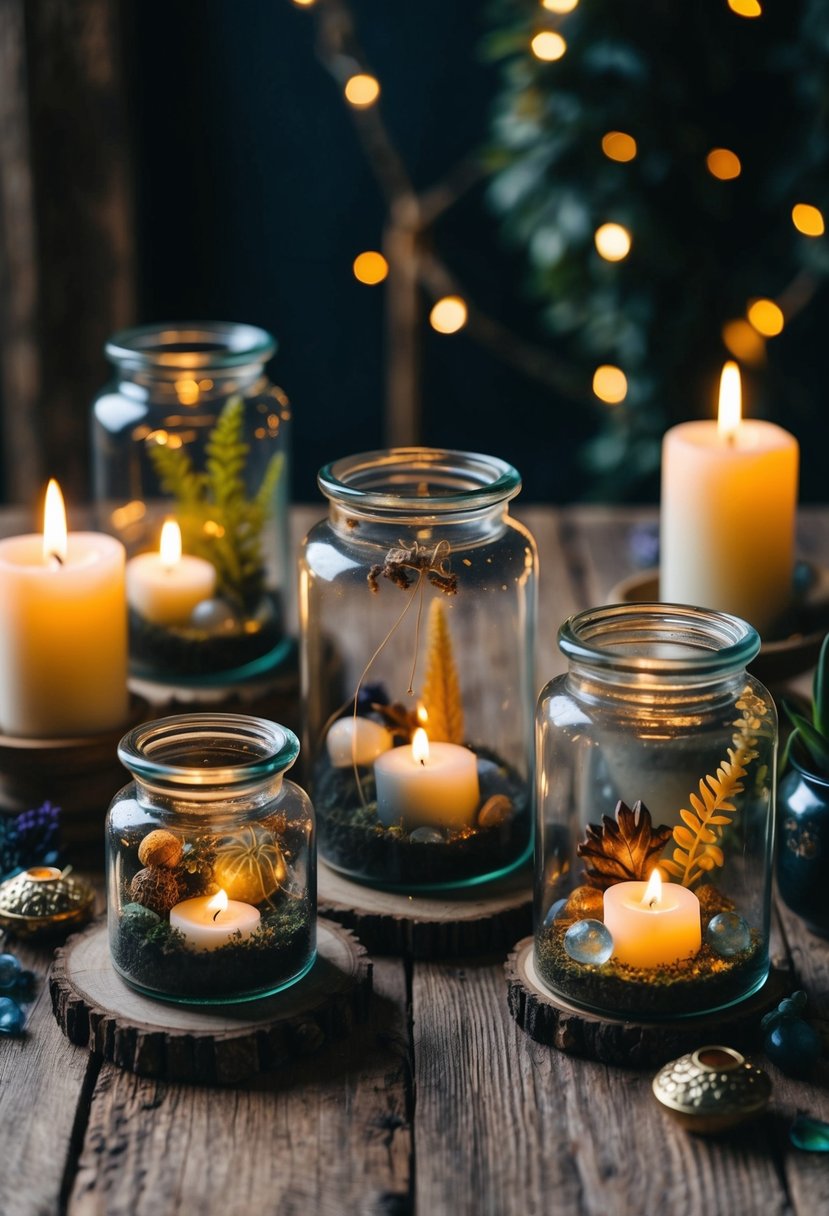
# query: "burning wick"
{"points": [[653, 891]]}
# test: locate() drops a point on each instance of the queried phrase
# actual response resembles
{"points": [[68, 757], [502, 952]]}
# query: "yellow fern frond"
{"points": [[441, 689]]}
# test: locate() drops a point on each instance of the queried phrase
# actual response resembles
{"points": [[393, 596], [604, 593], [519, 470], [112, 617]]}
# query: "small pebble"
{"points": [[214, 616], [495, 811], [728, 934], [12, 1017], [10, 970], [426, 836], [553, 913], [589, 941], [794, 1046], [139, 917]]}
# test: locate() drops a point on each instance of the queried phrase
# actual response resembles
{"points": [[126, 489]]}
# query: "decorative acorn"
{"points": [[160, 848], [156, 888]]}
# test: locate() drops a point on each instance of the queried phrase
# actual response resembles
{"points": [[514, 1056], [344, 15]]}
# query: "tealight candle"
{"points": [[729, 493], [427, 783], [63, 630], [652, 925], [165, 587], [210, 921]]}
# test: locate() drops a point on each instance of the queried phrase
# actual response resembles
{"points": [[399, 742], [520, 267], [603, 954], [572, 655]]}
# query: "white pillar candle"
{"points": [[63, 631], [652, 925], [357, 740], [729, 494], [427, 783], [210, 921], [165, 587]]}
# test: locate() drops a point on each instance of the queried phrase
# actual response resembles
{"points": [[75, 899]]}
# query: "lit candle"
{"points": [[210, 921], [63, 630], [427, 783], [165, 587], [729, 494], [356, 741], [652, 925]]}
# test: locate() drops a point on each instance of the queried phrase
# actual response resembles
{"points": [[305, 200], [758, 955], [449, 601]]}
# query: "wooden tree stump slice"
{"points": [[481, 920], [208, 1044], [550, 1019]]}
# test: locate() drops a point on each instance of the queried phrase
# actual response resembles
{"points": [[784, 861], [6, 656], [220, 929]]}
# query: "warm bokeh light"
{"points": [[617, 145], [610, 384], [362, 90], [303, 3], [54, 524], [730, 407], [766, 317], [613, 242], [746, 8], [448, 315], [420, 746], [723, 164], [808, 219], [370, 267], [170, 544], [559, 6], [187, 391], [548, 46], [743, 341]]}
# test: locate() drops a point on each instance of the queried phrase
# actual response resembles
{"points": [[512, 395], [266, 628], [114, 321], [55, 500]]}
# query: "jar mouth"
{"points": [[659, 639], [419, 480], [190, 344], [208, 749]]}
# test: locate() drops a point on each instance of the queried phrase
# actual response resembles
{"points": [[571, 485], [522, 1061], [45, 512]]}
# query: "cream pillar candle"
{"points": [[729, 494], [210, 921], [652, 925], [427, 783], [165, 587], [63, 631]]}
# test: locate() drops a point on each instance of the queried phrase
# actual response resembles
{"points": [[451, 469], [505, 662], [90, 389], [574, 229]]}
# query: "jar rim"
{"points": [[418, 480], [619, 636], [190, 344], [265, 748]]}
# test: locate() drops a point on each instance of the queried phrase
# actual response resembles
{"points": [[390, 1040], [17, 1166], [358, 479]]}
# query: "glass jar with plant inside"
{"points": [[211, 879]]}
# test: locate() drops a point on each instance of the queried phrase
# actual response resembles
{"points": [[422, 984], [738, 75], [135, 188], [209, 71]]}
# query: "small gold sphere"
{"points": [[160, 848]]}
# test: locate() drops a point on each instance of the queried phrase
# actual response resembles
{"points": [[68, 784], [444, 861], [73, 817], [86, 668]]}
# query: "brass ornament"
{"points": [[712, 1089], [623, 848], [43, 900]]}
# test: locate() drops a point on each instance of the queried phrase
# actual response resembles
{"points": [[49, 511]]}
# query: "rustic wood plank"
{"points": [[328, 1137], [505, 1126]]}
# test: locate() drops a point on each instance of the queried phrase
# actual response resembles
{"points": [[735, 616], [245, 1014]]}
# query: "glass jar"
{"points": [[656, 751], [417, 612], [211, 878], [192, 430]]}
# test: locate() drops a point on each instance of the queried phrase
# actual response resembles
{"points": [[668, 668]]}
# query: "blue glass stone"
{"points": [[553, 913], [588, 941], [12, 1017], [794, 1046], [810, 1134], [9, 972], [728, 934], [426, 836]]}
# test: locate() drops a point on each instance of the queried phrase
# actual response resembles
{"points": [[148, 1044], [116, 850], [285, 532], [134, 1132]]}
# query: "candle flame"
{"points": [[218, 902], [653, 891], [170, 546], [420, 746], [731, 403], [54, 524]]}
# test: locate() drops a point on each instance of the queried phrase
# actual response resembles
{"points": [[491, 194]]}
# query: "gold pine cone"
{"points": [[160, 848]]}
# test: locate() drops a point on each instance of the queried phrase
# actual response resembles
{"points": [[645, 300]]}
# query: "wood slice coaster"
{"points": [[550, 1019], [480, 920], [209, 1044]]}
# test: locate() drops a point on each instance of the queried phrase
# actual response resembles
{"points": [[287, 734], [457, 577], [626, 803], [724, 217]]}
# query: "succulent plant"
{"points": [[811, 738]]}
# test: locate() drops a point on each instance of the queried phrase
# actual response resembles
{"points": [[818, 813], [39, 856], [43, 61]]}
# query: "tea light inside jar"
{"points": [[427, 783], [165, 587], [653, 925], [210, 921]]}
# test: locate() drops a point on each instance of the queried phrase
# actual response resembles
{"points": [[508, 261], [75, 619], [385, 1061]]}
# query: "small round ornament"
{"points": [[728, 934], [160, 848], [214, 616], [156, 888], [794, 1046], [249, 865], [10, 972], [426, 835], [12, 1017], [712, 1089], [589, 941], [44, 900]]}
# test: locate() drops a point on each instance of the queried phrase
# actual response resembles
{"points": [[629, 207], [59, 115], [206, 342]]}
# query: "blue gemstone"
{"points": [[728, 934], [588, 941], [12, 1017], [810, 1134], [426, 836], [9, 972], [794, 1046]]}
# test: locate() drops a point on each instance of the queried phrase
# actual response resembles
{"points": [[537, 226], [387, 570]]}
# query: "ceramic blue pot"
{"points": [[803, 843]]}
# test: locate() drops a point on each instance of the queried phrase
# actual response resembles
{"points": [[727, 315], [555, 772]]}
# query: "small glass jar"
{"points": [[211, 864], [417, 610], [191, 430], [656, 751]]}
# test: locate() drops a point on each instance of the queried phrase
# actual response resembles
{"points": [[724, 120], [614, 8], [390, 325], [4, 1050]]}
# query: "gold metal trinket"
{"points": [[712, 1089], [44, 900]]}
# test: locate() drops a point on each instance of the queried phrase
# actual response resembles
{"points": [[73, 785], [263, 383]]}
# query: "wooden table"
{"points": [[439, 1105]]}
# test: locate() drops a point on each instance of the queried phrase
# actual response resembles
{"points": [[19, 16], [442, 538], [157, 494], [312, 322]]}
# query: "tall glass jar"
{"points": [[417, 611], [655, 752], [191, 430], [211, 863]]}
